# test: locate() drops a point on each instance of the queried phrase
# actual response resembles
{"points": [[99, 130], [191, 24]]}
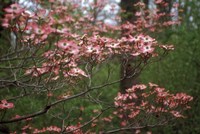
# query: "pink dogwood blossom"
{"points": [[6, 105]]}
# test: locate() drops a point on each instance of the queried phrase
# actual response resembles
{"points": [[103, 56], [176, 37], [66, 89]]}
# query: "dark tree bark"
{"points": [[128, 6], [4, 129], [3, 4], [126, 66], [168, 8]]}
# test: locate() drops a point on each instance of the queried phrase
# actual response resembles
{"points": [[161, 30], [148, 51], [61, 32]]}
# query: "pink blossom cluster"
{"points": [[143, 45], [151, 99], [12, 12], [150, 19], [70, 46], [74, 129], [51, 129]]}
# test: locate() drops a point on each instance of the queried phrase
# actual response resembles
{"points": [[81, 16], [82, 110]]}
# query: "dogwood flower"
{"points": [[6, 105]]}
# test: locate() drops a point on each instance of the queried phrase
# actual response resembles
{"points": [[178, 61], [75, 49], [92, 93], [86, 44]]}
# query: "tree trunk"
{"points": [[126, 67], [3, 4], [4, 129]]}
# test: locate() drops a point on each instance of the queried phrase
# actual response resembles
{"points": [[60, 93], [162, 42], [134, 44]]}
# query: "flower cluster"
{"points": [[143, 45], [74, 129], [71, 47], [151, 20], [154, 99], [12, 12], [50, 129]]}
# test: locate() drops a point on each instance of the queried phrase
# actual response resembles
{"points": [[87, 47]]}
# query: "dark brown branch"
{"points": [[27, 116], [45, 110]]}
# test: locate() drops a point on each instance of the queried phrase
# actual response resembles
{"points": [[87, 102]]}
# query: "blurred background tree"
{"points": [[181, 69], [3, 33]]}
